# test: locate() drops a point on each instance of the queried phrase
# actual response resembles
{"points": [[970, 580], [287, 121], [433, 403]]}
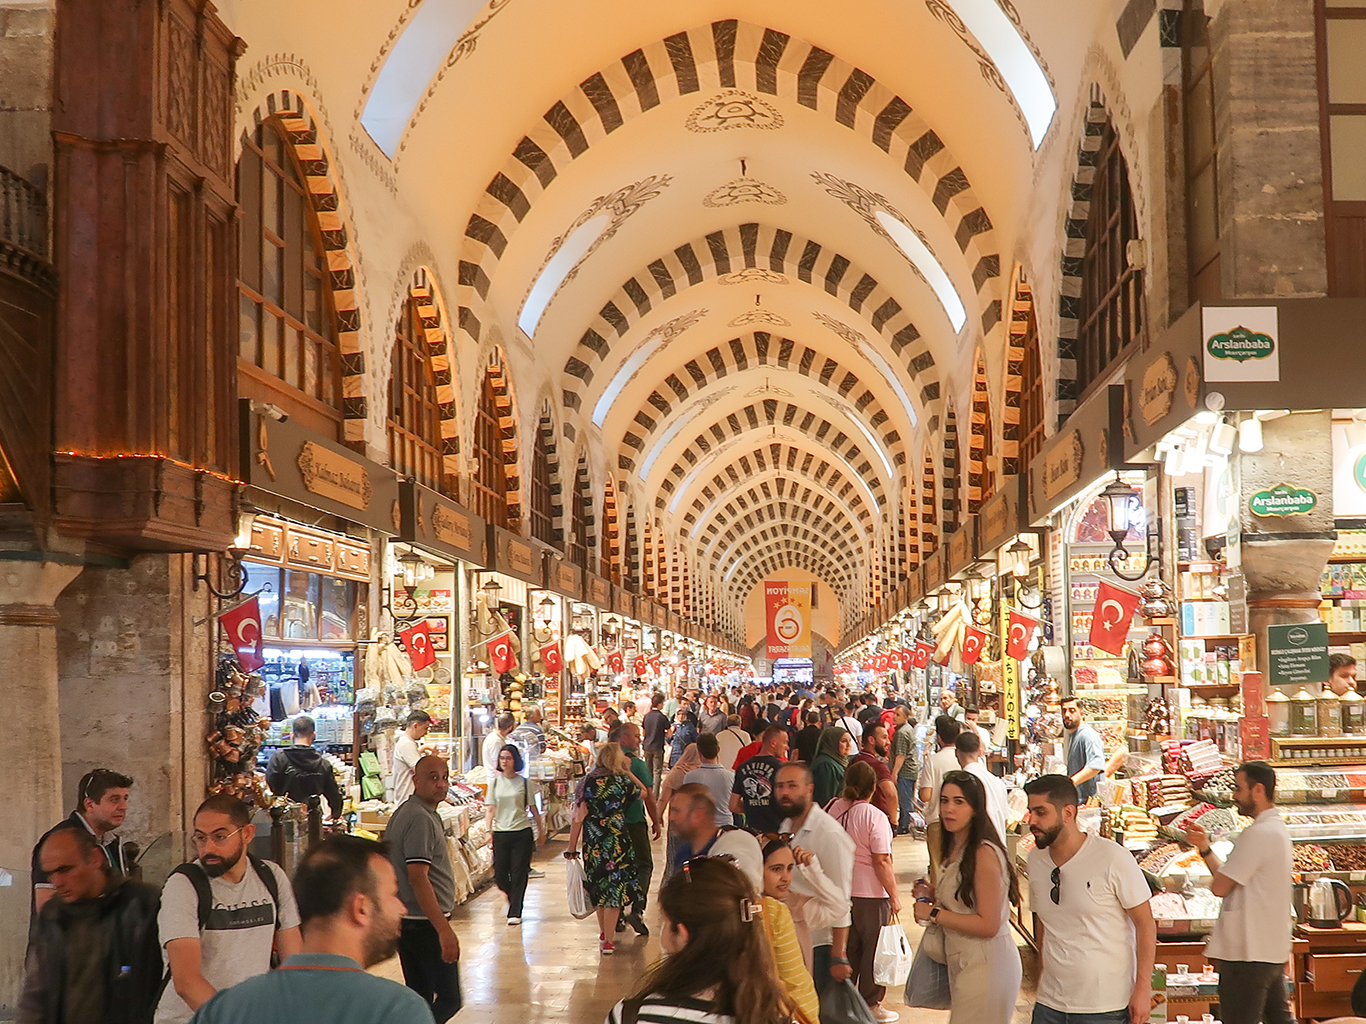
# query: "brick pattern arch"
{"points": [[806, 490], [821, 568], [610, 545], [704, 60], [545, 451], [779, 500], [911, 557], [981, 440], [582, 534], [507, 423], [951, 495], [324, 192], [631, 562], [786, 546], [929, 511], [439, 350], [1022, 323], [684, 383], [755, 528]]}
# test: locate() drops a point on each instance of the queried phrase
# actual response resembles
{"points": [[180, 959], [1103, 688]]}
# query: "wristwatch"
{"points": [[934, 915], [1206, 851]]}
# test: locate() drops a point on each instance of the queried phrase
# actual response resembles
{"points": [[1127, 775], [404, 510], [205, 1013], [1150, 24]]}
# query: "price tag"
{"points": [[1328, 794], [1357, 876]]}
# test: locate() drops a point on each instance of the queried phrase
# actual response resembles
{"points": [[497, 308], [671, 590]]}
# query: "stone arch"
{"points": [[929, 511], [422, 287], [1021, 318], [911, 514], [951, 498], [323, 182], [743, 537], [505, 399], [548, 438], [790, 548], [982, 441], [611, 532], [731, 494]]}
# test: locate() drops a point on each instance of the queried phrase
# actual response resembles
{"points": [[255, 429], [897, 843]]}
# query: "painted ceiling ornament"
{"points": [[868, 204], [753, 275], [759, 316], [768, 388], [743, 190], [733, 108], [841, 329], [990, 72], [707, 401], [661, 336]]}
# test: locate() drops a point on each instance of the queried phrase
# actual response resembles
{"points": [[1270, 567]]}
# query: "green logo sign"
{"points": [[1359, 471], [1283, 500], [1240, 344]]}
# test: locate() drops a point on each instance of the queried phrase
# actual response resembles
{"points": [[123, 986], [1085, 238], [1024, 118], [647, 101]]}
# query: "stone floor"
{"points": [[549, 969]]}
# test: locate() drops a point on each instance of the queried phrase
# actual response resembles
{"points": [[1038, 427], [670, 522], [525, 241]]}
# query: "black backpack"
{"points": [[199, 878]]}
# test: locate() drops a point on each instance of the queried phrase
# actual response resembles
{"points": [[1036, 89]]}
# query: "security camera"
{"points": [[270, 409]]}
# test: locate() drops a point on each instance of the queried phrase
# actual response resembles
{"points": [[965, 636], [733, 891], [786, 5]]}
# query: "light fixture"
{"points": [[1017, 558], [1250, 435], [492, 590], [1223, 436], [410, 566], [547, 607], [1121, 504], [611, 624], [246, 519]]}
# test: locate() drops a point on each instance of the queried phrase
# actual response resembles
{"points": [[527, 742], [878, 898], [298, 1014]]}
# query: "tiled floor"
{"points": [[549, 969]]}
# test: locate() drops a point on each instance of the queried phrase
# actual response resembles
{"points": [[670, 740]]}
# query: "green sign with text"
{"points": [[1299, 653], [1283, 500], [1241, 344]]}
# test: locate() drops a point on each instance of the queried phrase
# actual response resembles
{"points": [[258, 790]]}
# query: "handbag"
{"points": [[842, 1004], [580, 906], [927, 984], [892, 955]]}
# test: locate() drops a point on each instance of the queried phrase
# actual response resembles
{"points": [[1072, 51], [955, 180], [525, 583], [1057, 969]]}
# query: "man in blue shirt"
{"points": [[1083, 748], [348, 900]]}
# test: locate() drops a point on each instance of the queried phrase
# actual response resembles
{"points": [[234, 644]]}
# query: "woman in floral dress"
{"points": [[609, 864]]}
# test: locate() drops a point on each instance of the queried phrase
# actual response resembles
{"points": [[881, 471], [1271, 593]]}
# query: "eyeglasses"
{"points": [[687, 864], [1056, 879], [777, 837], [220, 837], [91, 778]]}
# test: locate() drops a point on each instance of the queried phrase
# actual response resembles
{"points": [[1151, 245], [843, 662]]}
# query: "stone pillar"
{"points": [[31, 756], [1283, 557]]}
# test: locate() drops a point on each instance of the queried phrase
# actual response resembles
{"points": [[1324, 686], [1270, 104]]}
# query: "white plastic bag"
{"points": [[579, 903], [892, 957]]}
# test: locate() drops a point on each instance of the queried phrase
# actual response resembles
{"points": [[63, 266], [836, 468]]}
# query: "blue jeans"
{"points": [[1048, 1015], [905, 794]]}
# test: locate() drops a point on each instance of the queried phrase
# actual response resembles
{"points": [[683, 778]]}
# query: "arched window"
{"points": [[578, 518], [542, 498], [287, 336], [414, 415], [490, 479], [1111, 314], [928, 538], [1031, 397]]}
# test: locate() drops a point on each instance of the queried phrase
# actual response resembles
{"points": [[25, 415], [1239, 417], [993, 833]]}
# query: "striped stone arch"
{"points": [[798, 491], [790, 547], [951, 495], [545, 428], [766, 535], [430, 311], [1022, 322], [911, 556], [727, 254], [631, 563], [981, 440], [507, 428], [1074, 250], [821, 568], [929, 511], [747, 351], [322, 183], [768, 413], [781, 513], [611, 531], [583, 493], [705, 60]]}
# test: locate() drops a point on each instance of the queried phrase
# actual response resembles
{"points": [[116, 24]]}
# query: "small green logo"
{"points": [[1359, 471], [1241, 344], [1283, 500]]}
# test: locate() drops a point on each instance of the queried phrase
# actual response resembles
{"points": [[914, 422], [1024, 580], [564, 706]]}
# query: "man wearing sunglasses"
{"points": [[1097, 938], [101, 806]]}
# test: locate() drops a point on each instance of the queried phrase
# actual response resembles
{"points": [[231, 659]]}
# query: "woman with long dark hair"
{"points": [[719, 968], [971, 903], [779, 862], [508, 814]]}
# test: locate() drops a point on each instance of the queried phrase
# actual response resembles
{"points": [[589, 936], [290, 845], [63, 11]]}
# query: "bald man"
{"points": [[427, 946]]}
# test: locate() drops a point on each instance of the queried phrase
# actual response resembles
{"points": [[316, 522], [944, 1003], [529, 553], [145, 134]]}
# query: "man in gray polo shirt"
{"points": [[427, 947]]}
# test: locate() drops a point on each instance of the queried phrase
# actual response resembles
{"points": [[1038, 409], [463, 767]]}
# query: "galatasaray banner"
{"points": [[788, 607]]}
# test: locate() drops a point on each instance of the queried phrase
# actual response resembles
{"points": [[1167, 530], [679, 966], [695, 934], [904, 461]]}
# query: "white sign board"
{"points": [[1241, 343]]}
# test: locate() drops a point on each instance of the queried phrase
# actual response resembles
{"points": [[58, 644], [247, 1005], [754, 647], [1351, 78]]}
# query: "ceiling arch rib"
{"points": [[762, 566], [732, 497], [725, 56], [753, 530], [840, 580]]}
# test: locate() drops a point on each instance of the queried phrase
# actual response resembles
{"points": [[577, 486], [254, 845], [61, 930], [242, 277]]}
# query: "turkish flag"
{"points": [[417, 641], [948, 653], [639, 666], [973, 642], [654, 664], [880, 663], [553, 657], [921, 657], [1112, 616], [615, 661], [1021, 631], [501, 655], [243, 626]]}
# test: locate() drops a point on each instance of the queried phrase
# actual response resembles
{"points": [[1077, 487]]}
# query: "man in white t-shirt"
{"points": [[1251, 940], [968, 752], [215, 938], [938, 765], [1097, 937], [716, 777], [495, 741], [406, 752], [732, 739]]}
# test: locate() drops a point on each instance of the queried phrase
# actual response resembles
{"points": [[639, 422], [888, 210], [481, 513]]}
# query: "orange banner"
{"points": [[788, 607]]}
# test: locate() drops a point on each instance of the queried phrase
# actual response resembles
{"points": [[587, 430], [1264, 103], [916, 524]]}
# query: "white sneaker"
{"points": [[514, 921], [535, 874], [884, 1016]]}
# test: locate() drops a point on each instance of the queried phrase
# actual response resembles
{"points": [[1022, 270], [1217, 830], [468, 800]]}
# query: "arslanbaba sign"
{"points": [[788, 609], [1282, 500], [1241, 343]]}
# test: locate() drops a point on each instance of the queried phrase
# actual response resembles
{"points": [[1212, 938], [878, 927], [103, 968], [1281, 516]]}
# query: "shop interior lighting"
{"points": [[1250, 435], [1023, 75], [1223, 436]]}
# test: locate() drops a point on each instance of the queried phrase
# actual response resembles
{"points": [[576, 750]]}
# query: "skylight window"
{"points": [[1014, 59], [924, 261], [623, 376], [566, 258], [411, 66]]}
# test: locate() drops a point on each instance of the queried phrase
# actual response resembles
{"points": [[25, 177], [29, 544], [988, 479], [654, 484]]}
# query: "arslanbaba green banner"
{"points": [[1282, 500]]}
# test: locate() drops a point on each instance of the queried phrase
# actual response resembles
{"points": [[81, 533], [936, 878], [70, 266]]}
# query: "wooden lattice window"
{"points": [[286, 323], [414, 415], [578, 521], [1111, 290], [1031, 394], [542, 499], [490, 477]]}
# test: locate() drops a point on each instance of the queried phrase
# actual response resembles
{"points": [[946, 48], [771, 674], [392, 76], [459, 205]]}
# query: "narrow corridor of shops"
{"points": [[549, 969]]}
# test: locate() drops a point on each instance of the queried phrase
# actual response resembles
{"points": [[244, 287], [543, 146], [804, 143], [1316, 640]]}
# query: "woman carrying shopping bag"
{"points": [[971, 904]]}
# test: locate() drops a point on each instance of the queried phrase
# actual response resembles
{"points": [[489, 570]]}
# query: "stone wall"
{"points": [[26, 99]]}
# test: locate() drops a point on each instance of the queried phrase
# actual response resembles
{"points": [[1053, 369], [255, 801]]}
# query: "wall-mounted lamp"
{"points": [[1121, 502], [233, 568], [1017, 558]]}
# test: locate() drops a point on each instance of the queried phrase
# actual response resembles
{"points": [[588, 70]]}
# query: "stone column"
{"points": [[31, 756]]}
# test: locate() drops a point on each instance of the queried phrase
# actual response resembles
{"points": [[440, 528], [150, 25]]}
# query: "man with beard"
{"points": [[1251, 940], [348, 898], [816, 832], [873, 750], [222, 913], [1096, 933]]}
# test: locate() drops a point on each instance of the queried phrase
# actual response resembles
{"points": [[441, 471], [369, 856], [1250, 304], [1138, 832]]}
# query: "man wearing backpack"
{"points": [[301, 773], [223, 913]]}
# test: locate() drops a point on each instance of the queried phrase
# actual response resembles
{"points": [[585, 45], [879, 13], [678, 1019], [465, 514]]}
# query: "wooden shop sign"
{"points": [[434, 521], [563, 577], [1282, 500], [336, 476], [599, 592], [1062, 465], [1157, 389], [514, 556]]}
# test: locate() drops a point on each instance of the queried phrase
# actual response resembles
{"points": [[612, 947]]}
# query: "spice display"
{"points": [[1312, 858], [1168, 906], [1347, 857]]}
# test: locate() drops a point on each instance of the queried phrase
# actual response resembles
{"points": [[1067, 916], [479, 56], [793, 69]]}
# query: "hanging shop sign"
{"points": [[514, 556], [284, 458], [788, 607], [1157, 389], [623, 603], [597, 591], [1062, 465], [999, 519], [961, 548], [1241, 343], [277, 542], [1282, 500], [932, 572], [913, 590], [563, 577], [1297, 653], [435, 522]]}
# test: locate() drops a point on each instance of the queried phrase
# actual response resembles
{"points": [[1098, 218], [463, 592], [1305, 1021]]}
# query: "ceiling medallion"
{"points": [[842, 329], [759, 316], [768, 389], [733, 108], [753, 275], [743, 190]]}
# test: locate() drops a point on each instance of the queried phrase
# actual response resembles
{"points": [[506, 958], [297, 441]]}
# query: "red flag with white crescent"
{"points": [[639, 666], [615, 662], [1020, 632], [501, 655], [553, 657], [973, 642], [243, 626], [417, 641], [948, 653], [654, 664], [904, 659], [1110, 619], [921, 657]]}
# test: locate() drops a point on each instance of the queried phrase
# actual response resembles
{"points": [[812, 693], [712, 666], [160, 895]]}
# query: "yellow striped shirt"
{"points": [[787, 951]]}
